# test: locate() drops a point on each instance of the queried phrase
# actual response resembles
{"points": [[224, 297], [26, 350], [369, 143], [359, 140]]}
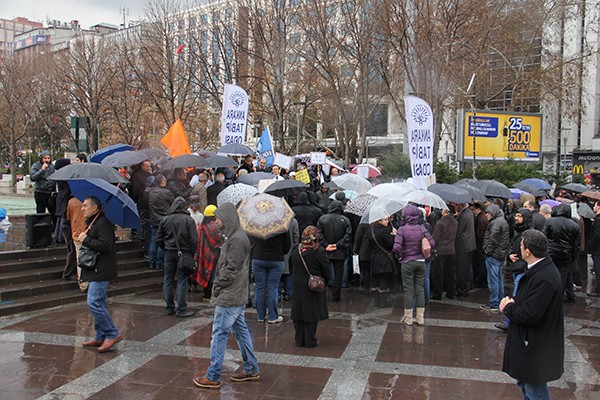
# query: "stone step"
{"points": [[7, 278], [30, 289], [56, 252], [48, 300], [34, 263]]}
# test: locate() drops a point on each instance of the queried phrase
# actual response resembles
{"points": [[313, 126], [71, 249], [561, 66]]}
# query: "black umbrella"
{"points": [[530, 189], [450, 193], [152, 153], [253, 178], [575, 187], [221, 161], [88, 170], [124, 158], [236, 149], [492, 188], [286, 187], [475, 193], [466, 181], [331, 185], [187, 161]]}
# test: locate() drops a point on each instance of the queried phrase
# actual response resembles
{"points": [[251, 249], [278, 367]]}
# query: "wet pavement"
{"points": [[364, 353]]}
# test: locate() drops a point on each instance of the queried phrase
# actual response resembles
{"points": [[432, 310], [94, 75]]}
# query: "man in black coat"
{"points": [[306, 214], [159, 202], [176, 232], [538, 219], [335, 235], [464, 246], [534, 351], [217, 187], [564, 239], [99, 237], [594, 248]]}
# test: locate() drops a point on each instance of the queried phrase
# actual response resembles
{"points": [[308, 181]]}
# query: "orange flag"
{"points": [[176, 140]]}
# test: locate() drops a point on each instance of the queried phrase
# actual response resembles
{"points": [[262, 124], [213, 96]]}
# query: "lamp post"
{"points": [[474, 113], [299, 115]]}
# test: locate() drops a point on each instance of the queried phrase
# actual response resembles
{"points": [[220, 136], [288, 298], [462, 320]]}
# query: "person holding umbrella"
{"points": [[99, 237]]}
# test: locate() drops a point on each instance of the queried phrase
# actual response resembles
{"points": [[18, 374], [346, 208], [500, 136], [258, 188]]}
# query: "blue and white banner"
{"points": [[234, 115], [419, 130], [264, 147]]}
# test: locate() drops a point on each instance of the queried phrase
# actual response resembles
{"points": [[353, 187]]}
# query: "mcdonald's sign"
{"points": [[578, 169]]}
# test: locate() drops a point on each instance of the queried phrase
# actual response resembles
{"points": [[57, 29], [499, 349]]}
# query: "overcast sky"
{"points": [[87, 12]]}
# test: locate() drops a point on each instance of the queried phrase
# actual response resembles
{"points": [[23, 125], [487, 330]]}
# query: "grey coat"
{"points": [[39, 177], [230, 288], [496, 242], [465, 233]]}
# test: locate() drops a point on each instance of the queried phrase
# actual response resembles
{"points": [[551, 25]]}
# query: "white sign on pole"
{"points": [[283, 161], [363, 170], [234, 115], [419, 124], [318, 158]]}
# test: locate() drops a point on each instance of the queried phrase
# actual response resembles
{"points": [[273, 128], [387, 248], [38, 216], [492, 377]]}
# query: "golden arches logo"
{"points": [[578, 169]]}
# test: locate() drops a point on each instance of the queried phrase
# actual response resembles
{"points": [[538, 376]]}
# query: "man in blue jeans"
{"points": [[496, 245], [229, 295], [177, 232]]}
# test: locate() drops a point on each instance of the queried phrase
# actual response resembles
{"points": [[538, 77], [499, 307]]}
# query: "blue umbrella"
{"points": [[101, 154], [117, 206], [537, 183], [516, 193]]}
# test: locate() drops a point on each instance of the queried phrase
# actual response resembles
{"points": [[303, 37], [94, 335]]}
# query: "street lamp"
{"points": [[474, 113], [299, 114]]}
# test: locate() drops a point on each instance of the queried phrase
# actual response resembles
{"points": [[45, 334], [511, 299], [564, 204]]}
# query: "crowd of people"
{"points": [[420, 252]]}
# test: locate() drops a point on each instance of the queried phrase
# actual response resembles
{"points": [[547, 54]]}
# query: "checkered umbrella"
{"points": [[360, 204], [235, 193]]}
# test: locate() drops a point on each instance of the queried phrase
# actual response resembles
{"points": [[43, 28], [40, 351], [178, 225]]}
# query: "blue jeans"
{"points": [[516, 279], [495, 281], [534, 391], [182, 283], [156, 253], [230, 319], [96, 301], [267, 274]]}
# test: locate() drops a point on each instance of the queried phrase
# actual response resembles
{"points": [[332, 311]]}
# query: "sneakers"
{"points": [[203, 382], [243, 376], [186, 314], [276, 321], [487, 307]]}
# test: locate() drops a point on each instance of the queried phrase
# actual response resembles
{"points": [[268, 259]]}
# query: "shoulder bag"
{"points": [[316, 283], [185, 261], [86, 259], [425, 244], [386, 252]]}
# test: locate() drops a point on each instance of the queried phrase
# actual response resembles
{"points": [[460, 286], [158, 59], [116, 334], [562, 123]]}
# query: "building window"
{"points": [[377, 123]]}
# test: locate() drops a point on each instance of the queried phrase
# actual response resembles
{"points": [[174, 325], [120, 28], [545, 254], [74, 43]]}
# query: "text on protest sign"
{"points": [[234, 115]]}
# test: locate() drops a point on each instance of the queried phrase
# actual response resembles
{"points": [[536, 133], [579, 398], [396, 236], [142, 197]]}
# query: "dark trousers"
{"points": [[338, 273], [442, 274], [479, 268], [71, 264], [305, 333], [463, 263], [566, 277], [381, 282], [596, 260], [580, 274], [42, 203], [365, 274]]}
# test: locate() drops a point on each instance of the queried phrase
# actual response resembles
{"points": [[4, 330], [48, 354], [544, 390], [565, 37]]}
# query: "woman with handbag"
{"points": [[308, 306], [409, 246], [382, 260]]}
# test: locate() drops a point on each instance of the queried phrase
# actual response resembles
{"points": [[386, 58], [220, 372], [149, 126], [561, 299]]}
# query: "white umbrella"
{"points": [[235, 193], [392, 190], [382, 208], [425, 198], [352, 182]]}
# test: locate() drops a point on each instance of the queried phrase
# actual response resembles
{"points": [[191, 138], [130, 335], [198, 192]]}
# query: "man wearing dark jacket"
{"points": [[99, 237], [43, 188], [179, 185], [594, 248], [464, 246], [159, 202], [442, 273], [335, 235], [563, 245], [176, 232], [478, 259], [230, 293], [535, 344], [217, 187], [306, 214], [496, 245], [538, 219]]}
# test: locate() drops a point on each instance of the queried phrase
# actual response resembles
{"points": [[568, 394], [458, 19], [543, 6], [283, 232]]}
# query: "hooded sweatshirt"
{"points": [[178, 228], [407, 245], [230, 287], [496, 242], [39, 177]]}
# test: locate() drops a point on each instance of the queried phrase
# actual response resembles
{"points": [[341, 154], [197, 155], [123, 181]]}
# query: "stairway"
{"points": [[31, 279]]}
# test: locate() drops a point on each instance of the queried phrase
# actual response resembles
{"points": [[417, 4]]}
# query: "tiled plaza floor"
{"points": [[364, 353]]}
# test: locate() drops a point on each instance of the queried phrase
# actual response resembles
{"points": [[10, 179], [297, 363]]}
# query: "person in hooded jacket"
{"points": [[99, 237], [408, 250], [176, 229], [160, 200], [230, 294], [43, 187], [308, 307], [496, 245], [335, 235], [564, 239], [382, 260], [305, 213], [523, 222], [443, 273]]}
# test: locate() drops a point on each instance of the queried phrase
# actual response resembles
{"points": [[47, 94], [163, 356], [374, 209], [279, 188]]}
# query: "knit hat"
{"points": [[44, 153], [209, 211]]}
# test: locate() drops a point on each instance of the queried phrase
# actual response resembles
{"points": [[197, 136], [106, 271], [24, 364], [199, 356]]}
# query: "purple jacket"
{"points": [[407, 245]]}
